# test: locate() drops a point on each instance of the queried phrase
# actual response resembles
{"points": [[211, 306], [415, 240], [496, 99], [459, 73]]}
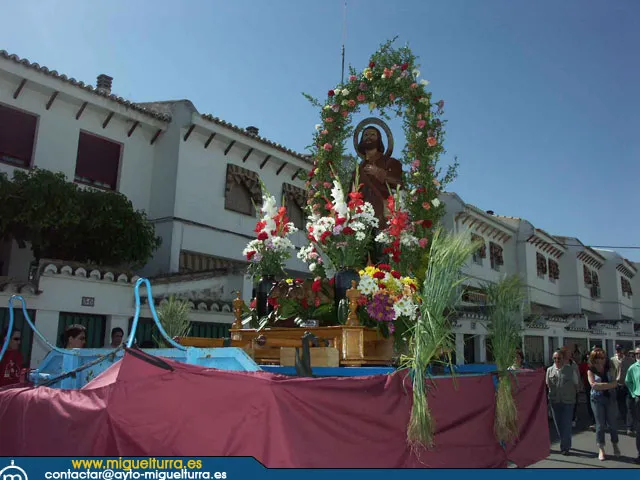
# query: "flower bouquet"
{"points": [[272, 247], [270, 250], [343, 234], [304, 300], [388, 301]]}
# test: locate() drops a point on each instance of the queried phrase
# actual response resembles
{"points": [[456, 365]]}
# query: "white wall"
{"points": [[541, 290], [58, 131]]}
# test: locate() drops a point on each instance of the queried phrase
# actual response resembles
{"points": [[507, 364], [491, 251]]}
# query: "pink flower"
{"points": [[328, 147], [392, 97], [432, 142], [352, 78], [415, 164], [324, 132], [352, 103], [423, 242], [361, 97], [421, 123], [413, 85], [328, 120], [327, 185], [345, 113], [363, 86], [426, 205]]}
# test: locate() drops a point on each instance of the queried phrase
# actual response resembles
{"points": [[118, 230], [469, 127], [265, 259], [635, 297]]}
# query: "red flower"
{"points": [[259, 226], [251, 254], [348, 231], [378, 275], [253, 303], [332, 281], [372, 64], [304, 303], [385, 267], [299, 280], [395, 274], [273, 302], [262, 236], [404, 66], [362, 300], [340, 221], [331, 93], [323, 237], [428, 223], [316, 286]]}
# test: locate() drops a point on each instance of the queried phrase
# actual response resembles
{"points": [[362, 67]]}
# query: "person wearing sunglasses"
{"points": [[632, 381], [12, 362]]}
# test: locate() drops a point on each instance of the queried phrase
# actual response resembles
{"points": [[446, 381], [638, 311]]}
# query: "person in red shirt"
{"points": [[12, 362]]}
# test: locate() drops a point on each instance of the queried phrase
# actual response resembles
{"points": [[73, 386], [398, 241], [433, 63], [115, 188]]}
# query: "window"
{"points": [[242, 190], [541, 265], [495, 256], [238, 199], [554, 271], [481, 253], [17, 136], [98, 161], [295, 199]]}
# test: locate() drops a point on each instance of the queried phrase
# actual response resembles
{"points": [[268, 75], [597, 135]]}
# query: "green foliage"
{"points": [[62, 221], [431, 336], [174, 318], [505, 299]]}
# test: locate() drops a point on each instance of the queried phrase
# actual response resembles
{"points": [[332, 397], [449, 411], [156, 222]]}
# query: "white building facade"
{"points": [[575, 295], [196, 176]]}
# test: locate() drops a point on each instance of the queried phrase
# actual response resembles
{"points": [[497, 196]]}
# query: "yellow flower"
{"points": [[289, 281]]}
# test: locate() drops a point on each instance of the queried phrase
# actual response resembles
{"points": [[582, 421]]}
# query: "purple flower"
{"points": [[380, 307]]}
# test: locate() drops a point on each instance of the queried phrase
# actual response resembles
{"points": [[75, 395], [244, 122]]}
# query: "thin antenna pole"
{"points": [[344, 36]]}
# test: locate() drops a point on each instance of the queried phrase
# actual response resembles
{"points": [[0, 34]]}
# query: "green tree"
{"points": [[62, 221]]}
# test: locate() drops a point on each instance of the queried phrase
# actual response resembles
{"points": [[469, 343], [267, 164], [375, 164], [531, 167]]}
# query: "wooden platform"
{"points": [[356, 346]]}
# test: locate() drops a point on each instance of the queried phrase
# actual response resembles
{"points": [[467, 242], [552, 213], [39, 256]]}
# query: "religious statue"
{"points": [[379, 172]]}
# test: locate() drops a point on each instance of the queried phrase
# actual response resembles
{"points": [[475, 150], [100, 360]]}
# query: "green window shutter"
{"points": [[95, 325], [210, 330]]}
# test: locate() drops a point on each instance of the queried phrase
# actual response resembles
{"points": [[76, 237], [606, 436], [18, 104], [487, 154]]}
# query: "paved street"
{"points": [[584, 453]]}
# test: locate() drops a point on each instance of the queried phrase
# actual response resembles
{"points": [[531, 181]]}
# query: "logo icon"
{"points": [[12, 472]]}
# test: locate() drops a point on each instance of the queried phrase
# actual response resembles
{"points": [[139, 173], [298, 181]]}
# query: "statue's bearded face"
{"points": [[370, 140], [370, 137]]}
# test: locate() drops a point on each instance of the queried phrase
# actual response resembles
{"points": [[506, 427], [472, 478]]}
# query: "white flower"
{"points": [[360, 236], [312, 267], [345, 92], [424, 82], [318, 126], [327, 107], [405, 307], [416, 73], [367, 285], [435, 202]]}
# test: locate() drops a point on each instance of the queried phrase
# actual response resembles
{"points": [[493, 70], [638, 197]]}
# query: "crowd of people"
{"points": [[74, 336], [612, 389]]}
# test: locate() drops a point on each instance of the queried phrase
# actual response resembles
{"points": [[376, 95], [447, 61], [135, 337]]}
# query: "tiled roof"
{"points": [[242, 131], [89, 88]]}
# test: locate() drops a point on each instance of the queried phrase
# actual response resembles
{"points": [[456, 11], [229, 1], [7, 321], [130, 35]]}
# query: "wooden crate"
{"points": [[320, 356]]}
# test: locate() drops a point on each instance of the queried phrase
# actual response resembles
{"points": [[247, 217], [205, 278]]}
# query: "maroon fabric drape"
{"points": [[533, 444], [138, 409]]}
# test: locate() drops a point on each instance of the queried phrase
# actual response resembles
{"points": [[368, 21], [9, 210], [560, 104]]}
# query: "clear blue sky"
{"points": [[542, 97]]}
